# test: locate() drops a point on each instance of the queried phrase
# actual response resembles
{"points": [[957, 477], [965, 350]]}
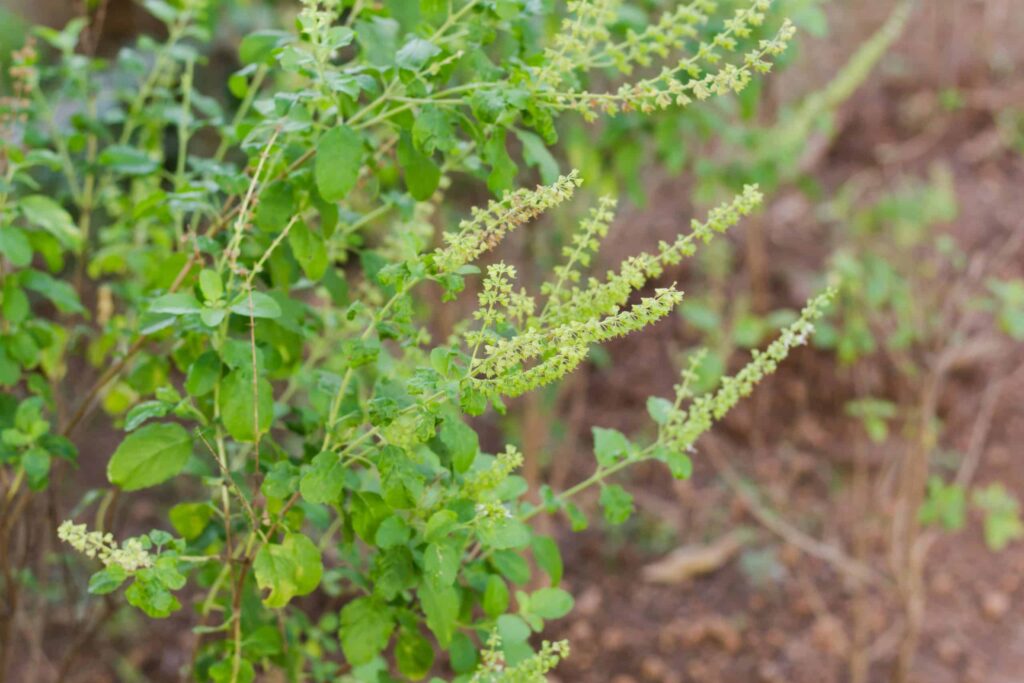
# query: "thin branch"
{"points": [[776, 524]]}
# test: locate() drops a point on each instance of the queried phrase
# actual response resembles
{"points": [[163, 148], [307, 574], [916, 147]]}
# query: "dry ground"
{"points": [[775, 612]]}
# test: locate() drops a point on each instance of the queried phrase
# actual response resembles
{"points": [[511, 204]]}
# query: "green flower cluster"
{"points": [[604, 298], [698, 76], [481, 483], [495, 670], [670, 33], [486, 227], [506, 370], [546, 347], [574, 43], [682, 426], [130, 556]]}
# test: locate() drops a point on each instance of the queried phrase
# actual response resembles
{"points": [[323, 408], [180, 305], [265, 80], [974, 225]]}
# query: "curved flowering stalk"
{"points": [[603, 298], [561, 348], [585, 243], [574, 44], [680, 426], [690, 78], [549, 346], [488, 226], [670, 32]]}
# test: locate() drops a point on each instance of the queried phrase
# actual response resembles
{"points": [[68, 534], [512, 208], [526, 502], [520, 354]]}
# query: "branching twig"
{"points": [[776, 524]]}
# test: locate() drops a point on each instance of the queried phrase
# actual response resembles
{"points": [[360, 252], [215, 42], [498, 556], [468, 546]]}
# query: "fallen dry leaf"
{"points": [[693, 560]]}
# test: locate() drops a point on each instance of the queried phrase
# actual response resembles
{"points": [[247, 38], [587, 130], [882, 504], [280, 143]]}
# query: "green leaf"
{"points": [[151, 596], [166, 571], [610, 446], [368, 511], [577, 519], [324, 481], [1001, 529], [503, 169], [461, 443], [377, 38], [422, 175], [504, 533], [548, 557], [257, 305], [512, 566], [659, 409], [276, 207], [150, 456], [463, 655], [203, 374], [413, 654], [288, 569], [679, 464], [10, 370], [496, 597], [536, 154], [748, 331], [812, 19], [617, 504], [415, 53], [60, 293], [128, 160], [507, 9], [551, 603], [36, 462], [177, 303], [366, 627], [439, 524], [15, 246], [1002, 516], [15, 308], [945, 505], [339, 158], [64, 40], [441, 562], [392, 532], [338, 37], [281, 481], [433, 131], [144, 411], [309, 249], [441, 607], [210, 285], [51, 216], [393, 572], [107, 580], [212, 317], [190, 519], [225, 671], [401, 485], [236, 402], [258, 47], [512, 629], [701, 315]]}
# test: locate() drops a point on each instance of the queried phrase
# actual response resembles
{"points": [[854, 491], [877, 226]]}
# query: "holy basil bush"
{"points": [[240, 287]]}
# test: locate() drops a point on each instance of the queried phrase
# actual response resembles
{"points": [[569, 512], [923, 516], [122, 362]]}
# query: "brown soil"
{"points": [[776, 613]]}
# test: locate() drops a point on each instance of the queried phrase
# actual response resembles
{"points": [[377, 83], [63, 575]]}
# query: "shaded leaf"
{"points": [[150, 456]]}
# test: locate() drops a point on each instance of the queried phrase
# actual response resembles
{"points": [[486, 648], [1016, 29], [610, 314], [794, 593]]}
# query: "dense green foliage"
{"points": [[254, 287]]}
